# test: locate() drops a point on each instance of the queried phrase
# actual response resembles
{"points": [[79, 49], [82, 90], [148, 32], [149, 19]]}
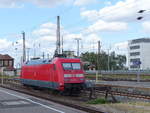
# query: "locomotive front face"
{"points": [[73, 72]]}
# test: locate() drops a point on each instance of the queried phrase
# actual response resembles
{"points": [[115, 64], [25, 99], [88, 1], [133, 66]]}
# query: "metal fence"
{"points": [[119, 72]]}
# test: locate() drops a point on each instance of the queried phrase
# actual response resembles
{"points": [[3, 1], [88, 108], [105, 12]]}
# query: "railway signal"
{"points": [[137, 63]]}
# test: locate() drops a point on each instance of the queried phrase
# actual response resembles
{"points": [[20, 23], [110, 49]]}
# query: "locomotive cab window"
{"points": [[76, 66], [67, 66], [71, 66]]}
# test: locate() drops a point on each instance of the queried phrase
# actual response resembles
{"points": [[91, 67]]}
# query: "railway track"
{"points": [[114, 93], [98, 89], [68, 101], [47, 95]]}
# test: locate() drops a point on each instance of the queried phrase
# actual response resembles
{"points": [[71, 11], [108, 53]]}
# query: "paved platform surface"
{"points": [[14, 102], [126, 84]]}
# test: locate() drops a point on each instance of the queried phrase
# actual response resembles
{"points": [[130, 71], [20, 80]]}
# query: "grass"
{"points": [[98, 101], [120, 107], [132, 107], [139, 103]]}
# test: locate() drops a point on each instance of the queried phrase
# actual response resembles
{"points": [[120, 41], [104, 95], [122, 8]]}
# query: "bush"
{"points": [[98, 101]]}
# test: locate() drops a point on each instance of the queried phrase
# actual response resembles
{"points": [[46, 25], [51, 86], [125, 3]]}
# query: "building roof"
{"points": [[145, 40], [5, 57]]}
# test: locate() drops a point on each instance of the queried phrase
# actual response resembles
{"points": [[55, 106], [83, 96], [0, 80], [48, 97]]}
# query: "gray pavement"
{"points": [[14, 102]]}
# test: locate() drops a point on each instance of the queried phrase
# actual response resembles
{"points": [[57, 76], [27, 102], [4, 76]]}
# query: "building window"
{"points": [[134, 53], [135, 60], [134, 47], [6, 63], [1, 63], [134, 66], [10, 63]]}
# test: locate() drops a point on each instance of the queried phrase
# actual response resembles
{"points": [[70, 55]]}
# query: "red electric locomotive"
{"points": [[58, 74]]}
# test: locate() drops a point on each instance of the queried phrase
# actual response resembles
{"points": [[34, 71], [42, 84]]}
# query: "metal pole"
{"points": [[78, 46], [2, 77], [24, 47], [43, 55], [58, 36], [47, 56], [34, 50], [138, 74], [28, 55], [98, 61], [62, 44], [108, 61], [16, 55]]}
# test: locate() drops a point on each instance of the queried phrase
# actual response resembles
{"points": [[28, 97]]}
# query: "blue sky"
{"points": [[111, 21]]}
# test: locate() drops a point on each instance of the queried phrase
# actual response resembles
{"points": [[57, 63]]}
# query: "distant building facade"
{"points": [[139, 51], [7, 64]]}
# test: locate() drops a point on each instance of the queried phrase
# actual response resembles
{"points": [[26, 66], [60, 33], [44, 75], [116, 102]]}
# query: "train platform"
{"points": [[14, 102], [125, 84]]}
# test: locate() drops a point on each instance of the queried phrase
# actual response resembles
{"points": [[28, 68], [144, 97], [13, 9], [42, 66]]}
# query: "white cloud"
{"points": [[92, 37], [91, 42], [121, 48], [146, 26], [121, 45], [83, 2], [48, 38], [107, 26], [44, 31], [125, 11], [108, 3], [4, 44], [91, 15], [48, 25], [40, 3], [45, 35], [47, 29], [49, 3], [10, 3]]}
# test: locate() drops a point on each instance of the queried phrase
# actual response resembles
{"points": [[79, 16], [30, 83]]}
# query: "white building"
{"points": [[139, 50]]}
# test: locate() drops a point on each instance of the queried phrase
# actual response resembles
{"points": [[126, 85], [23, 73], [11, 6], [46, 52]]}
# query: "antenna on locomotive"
{"points": [[58, 42]]}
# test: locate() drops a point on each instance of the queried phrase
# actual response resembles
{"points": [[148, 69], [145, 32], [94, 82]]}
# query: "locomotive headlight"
{"points": [[79, 75], [73, 75]]}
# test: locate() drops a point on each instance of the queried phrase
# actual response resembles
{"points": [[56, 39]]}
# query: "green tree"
{"points": [[116, 62]]}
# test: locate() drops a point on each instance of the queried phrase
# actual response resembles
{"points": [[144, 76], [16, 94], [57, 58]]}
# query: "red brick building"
{"points": [[6, 63]]}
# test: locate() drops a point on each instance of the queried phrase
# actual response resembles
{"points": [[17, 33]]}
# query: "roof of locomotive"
{"points": [[38, 61], [46, 61]]}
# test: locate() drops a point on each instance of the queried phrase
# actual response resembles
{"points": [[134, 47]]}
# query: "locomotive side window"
{"points": [[76, 66], [67, 66], [71, 66]]}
